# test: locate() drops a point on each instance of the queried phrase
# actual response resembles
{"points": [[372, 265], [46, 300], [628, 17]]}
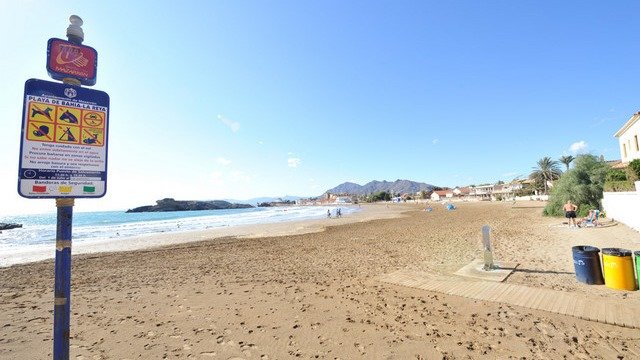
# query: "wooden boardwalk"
{"points": [[606, 311]]}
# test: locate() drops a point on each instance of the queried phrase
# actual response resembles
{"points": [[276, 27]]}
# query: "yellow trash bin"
{"points": [[617, 265]]}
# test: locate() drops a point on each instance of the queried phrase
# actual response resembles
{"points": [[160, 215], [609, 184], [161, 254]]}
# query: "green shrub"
{"points": [[583, 185], [635, 168], [616, 175], [617, 186]]}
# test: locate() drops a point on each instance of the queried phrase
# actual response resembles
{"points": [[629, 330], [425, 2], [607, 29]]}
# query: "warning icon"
{"points": [[68, 115], [67, 134], [40, 131], [94, 137], [41, 111], [93, 118]]}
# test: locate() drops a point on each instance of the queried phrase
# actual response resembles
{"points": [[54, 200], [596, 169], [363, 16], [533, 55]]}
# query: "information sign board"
{"points": [[68, 60], [63, 145]]}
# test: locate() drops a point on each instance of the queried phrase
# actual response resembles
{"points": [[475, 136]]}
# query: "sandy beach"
{"points": [[311, 290]]}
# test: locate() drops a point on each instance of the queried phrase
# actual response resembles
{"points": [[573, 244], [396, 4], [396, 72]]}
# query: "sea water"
{"points": [[36, 239]]}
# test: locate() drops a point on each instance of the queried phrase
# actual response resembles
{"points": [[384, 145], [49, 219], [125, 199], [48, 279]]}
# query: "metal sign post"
{"points": [[63, 152], [62, 288]]}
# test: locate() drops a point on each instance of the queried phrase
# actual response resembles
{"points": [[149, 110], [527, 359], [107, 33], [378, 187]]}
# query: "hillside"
{"points": [[396, 187]]}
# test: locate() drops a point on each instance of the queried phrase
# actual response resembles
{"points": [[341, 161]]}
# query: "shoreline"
{"points": [[366, 212]]}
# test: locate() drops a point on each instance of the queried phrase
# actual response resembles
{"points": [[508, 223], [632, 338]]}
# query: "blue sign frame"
{"points": [[63, 142]]}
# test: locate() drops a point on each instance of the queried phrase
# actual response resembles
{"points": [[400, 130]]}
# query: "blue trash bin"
{"points": [[586, 261]]}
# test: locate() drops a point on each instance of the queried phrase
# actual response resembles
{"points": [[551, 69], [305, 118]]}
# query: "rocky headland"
{"points": [[8, 226], [169, 204]]}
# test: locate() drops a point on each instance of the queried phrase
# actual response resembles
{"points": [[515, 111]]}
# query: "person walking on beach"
{"points": [[328, 214], [570, 213]]}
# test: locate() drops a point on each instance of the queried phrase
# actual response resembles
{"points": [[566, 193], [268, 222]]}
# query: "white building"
{"points": [[628, 139], [441, 194], [343, 200], [482, 192], [625, 206]]}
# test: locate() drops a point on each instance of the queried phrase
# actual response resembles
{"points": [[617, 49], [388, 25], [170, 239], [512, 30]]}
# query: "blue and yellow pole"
{"points": [[62, 292]]}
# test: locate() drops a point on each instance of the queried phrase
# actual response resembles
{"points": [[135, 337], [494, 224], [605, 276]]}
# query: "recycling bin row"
{"points": [[617, 269]]}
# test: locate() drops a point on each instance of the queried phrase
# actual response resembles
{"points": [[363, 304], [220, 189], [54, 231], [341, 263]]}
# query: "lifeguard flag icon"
{"points": [[39, 188]]}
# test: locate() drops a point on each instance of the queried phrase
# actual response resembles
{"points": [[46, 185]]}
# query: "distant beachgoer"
{"points": [[339, 212], [329, 214], [570, 212], [590, 220]]}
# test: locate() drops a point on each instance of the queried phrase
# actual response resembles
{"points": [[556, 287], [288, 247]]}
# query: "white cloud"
{"points": [[578, 147], [435, 141], [293, 162], [223, 161], [233, 125]]}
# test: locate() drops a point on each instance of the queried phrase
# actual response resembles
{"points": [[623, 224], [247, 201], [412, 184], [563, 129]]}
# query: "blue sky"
{"points": [[239, 99]]}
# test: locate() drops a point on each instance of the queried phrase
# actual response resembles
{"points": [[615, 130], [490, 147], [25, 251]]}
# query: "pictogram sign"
{"points": [[63, 149]]}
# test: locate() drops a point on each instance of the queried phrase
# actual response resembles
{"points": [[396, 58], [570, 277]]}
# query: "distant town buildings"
{"points": [[516, 189], [343, 200], [487, 192], [329, 199]]}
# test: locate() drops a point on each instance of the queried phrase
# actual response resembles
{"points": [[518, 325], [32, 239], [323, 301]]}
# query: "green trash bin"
{"points": [[637, 255]]}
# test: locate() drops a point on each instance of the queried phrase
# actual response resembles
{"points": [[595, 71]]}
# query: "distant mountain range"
{"points": [[396, 187]]}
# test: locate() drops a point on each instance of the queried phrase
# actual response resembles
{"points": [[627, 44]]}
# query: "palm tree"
{"points": [[567, 159], [547, 170]]}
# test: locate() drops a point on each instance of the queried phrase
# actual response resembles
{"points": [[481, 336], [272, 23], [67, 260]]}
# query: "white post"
{"points": [[486, 244]]}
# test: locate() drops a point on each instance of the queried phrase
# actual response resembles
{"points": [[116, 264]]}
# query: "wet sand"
{"points": [[309, 290]]}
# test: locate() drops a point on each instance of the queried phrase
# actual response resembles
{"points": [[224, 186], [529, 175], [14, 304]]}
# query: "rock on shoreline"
{"points": [[169, 204], [8, 226]]}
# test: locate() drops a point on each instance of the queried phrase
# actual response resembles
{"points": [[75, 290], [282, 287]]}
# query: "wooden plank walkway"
{"points": [[620, 313]]}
